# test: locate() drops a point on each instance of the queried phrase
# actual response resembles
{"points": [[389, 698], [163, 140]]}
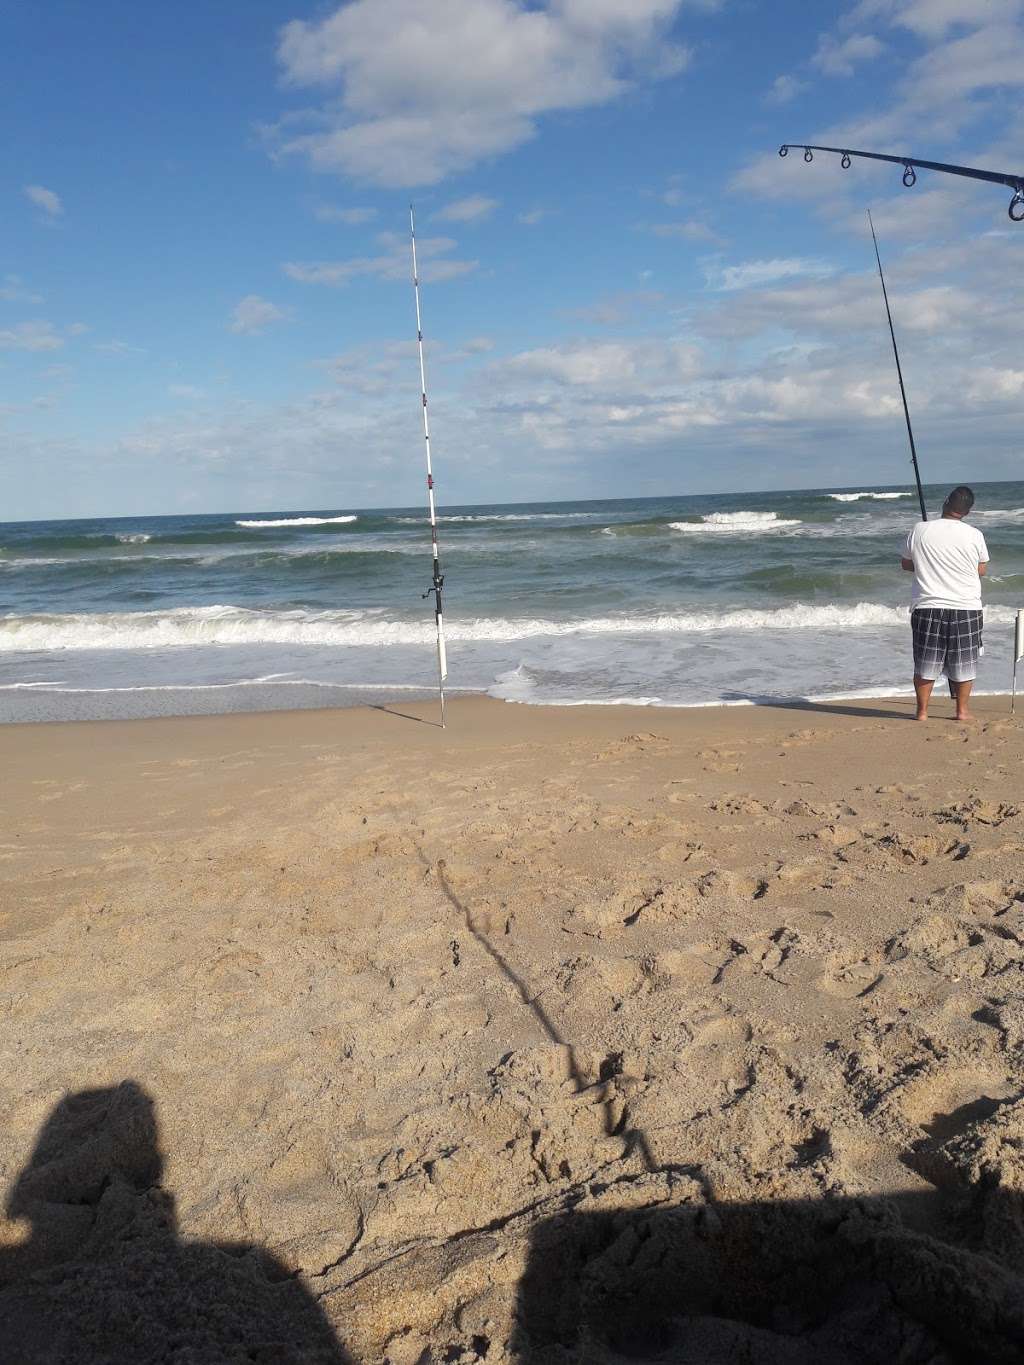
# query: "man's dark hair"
{"points": [[960, 501]]}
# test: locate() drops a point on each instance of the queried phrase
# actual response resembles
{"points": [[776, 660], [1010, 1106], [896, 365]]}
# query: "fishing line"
{"points": [[899, 372]]}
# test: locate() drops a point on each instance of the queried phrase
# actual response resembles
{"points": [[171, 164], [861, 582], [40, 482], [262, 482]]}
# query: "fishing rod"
{"points": [[438, 579], [909, 163], [899, 372]]}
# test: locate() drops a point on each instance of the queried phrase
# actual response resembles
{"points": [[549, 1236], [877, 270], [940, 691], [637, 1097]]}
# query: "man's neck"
{"points": [[952, 516]]}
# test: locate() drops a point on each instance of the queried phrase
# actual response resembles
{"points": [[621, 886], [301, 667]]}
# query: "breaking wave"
{"points": [[497, 516], [298, 521], [874, 497], [719, 523], [999, 514], [230, 625]]}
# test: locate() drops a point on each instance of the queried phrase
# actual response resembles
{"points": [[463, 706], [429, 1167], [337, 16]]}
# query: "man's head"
{"points": [[959, 502]]}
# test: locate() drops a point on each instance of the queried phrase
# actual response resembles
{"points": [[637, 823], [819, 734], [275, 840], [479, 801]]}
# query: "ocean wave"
{"points": [[91, 540], [133, 538], [297, 521], [230, 625], [32, 561], [874, 497], [719, 523], [496, 516], [997, 514]]}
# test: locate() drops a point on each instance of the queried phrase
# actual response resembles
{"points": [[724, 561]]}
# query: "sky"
{"points": [[205, 289]]}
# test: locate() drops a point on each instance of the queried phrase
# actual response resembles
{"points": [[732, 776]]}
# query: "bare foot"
{"points": [[921, 715], [965, 717]]}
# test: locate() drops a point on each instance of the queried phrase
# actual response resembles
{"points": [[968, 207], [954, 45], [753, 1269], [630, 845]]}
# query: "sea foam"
{"points": [[874, 497], [230, 625], [719, 523]]}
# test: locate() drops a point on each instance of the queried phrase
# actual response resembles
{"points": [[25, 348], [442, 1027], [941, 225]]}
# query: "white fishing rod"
{"points": [[1018, 654], [438, 580]]}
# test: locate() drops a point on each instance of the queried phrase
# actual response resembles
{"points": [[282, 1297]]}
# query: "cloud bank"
{"points": [[398, 111]]}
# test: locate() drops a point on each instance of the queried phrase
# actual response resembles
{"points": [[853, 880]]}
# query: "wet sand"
{"points": [[585, 1034]]}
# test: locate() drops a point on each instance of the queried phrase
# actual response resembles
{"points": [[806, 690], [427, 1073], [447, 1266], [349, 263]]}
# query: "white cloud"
{"points": [[118, 347], [990, 58], [784, 89], [394, 263], [478, 345], [969, 51], [186, 391], [472, 209], [619, 307], [253, 315], [46, 200], [673, 194], [414, 95], [353, 217], [608, 365], [837, 57], [932, 19], [794, 377], [690, 230], [532, 217], [30, 336], [755, 274], [14, 290]]}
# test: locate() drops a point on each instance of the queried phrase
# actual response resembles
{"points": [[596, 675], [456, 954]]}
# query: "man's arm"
{"points": [[983, 568], [908, 565]]}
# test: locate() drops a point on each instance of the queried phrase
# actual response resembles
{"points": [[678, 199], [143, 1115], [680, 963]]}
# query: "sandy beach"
{"points": [[564, 1035]]}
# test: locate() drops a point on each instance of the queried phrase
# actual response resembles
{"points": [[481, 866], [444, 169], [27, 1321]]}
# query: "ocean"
{"points": [[676, 601]]}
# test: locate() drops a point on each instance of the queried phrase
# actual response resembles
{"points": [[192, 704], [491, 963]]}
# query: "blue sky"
{"points": [[204, 286]]}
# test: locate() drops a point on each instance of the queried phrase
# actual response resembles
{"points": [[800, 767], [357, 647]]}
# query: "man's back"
{"points": [[946, 555]]}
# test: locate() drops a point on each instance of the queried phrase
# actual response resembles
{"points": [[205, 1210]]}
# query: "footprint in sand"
{"points": [[718, 884], [945, 1102], [977, 811], [917, 850], [850, 980]]}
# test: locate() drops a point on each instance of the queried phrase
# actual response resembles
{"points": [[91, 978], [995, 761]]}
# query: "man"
{"points": [[948, 561]]}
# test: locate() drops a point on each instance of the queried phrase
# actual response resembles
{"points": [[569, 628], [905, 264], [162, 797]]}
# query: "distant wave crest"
{"points": [[997, 514], [497, 516], [874, 497], [725, 523], [299, 521]]}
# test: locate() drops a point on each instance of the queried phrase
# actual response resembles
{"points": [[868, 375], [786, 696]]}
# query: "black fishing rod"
{"points": [[899, 372], [1015, 182]]}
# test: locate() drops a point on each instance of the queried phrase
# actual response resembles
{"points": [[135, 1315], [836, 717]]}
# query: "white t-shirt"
{"points": [[946, 555]]}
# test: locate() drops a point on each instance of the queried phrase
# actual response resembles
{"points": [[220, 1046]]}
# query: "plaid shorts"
{"points": [[946, 641]]}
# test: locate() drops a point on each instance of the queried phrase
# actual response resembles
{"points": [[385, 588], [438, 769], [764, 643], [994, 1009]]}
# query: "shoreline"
{"points": [[40, 705]]}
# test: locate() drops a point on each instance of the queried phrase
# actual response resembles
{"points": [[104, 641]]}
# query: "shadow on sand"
{"points": [[822, 708], [650, 1268], [906, 1280], [405, 715], [105, 1277]]}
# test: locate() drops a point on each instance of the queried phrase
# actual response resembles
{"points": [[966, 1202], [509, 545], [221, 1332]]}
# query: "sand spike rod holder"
{"points": [[437, 583], [1018, 654]]}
